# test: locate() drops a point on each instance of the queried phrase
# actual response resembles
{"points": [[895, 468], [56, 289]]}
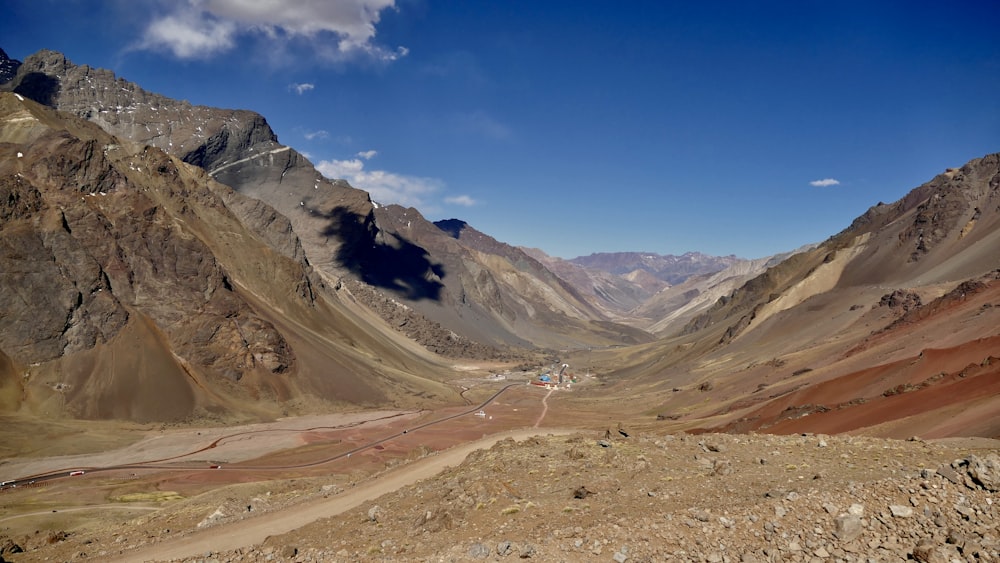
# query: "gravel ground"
{"points": [[612, 497]]}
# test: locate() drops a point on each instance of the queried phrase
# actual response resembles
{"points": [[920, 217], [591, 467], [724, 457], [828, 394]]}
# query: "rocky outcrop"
{"points": [[900, 300], [954, 205]]}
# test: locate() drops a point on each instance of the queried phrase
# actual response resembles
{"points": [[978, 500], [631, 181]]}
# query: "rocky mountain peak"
{"points": [[8, 67], [206, 137]]}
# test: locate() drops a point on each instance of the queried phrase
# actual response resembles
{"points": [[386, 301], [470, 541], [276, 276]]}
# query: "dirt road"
{"points": [[255, 530]]}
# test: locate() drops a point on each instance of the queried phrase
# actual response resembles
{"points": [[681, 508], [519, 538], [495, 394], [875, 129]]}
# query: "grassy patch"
{"points": [[156, 496]]}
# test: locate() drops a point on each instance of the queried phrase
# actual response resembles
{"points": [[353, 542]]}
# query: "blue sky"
{"points": [[733, 127]]}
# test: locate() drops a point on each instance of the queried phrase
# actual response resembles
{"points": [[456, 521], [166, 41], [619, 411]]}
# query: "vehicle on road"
{"points": [[76, 473]]}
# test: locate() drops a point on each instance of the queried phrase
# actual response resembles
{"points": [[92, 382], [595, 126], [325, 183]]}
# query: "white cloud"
{"points": [[367, 155], [310, 135], [338, 30], [385, 187], [301, 88], [824, 182], [462, 200], [189, 35]]}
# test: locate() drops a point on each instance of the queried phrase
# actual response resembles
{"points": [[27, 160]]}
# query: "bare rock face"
{"points": [[955, 203], [94, 233], [302, 214], [53, 289], [901, 300], [198, 134], [135, 286]]}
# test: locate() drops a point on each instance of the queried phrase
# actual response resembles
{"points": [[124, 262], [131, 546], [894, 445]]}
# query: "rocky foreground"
{"points": [[622, 496]]}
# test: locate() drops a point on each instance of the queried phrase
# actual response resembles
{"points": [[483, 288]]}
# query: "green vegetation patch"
{"points": [[156, 496]]}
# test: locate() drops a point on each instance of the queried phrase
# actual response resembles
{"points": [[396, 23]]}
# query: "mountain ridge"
{"points": [[171, 296], [670, 268], [338, 226], [760, 323]]}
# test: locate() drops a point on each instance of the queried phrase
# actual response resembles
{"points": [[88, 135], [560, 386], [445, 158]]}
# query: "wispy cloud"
{"points": [[313, 135], [338, 31], [301, 88], [463, 200], [384, 187], [825, 182], [367, 155]]}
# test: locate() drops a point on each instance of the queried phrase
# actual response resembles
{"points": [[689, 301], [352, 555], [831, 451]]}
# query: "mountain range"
{"points": [[166, 261]]}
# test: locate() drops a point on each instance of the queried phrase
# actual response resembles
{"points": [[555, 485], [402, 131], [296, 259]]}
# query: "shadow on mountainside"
{"points": [[39, 87], [453, 227], [401, 267]]}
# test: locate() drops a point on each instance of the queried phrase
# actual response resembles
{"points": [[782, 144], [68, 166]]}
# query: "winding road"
{"points": [[159, 463], [255, 530]]}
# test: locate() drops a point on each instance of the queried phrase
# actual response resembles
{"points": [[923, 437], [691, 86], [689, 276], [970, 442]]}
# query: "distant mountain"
{"points": [[671, 308], [669, 268], [615, 294], [499, 293], [650, 291]]}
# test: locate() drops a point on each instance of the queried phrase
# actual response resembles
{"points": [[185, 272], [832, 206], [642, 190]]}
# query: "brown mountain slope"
{"points": [[237, 147], [132, 290], [500, 293], [931, 372], [336, 223], [880, 293], [672, 308]]}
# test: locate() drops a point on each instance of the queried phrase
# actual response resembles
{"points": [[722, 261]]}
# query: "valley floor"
{"points": [[554, 495]]}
